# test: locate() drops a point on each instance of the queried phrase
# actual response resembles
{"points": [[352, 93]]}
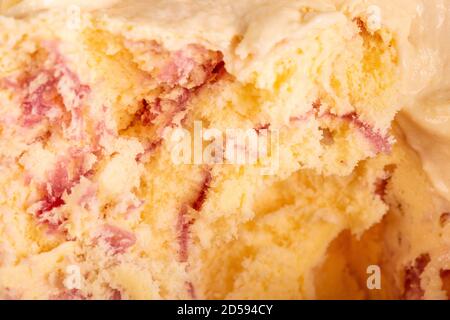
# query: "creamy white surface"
{"points": [[426, 120]]}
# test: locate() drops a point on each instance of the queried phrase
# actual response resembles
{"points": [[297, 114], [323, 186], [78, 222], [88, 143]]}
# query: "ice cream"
{"points": [[120, 170]]}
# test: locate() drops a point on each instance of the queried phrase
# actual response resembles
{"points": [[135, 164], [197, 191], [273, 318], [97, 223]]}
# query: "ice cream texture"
{"points": [[93, 94]]}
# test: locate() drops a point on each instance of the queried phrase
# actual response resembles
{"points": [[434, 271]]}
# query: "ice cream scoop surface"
{"points": [[100, 99]]}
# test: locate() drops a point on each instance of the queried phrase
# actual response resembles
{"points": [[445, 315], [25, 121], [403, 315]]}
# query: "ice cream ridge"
{"points": [[219, 149]]}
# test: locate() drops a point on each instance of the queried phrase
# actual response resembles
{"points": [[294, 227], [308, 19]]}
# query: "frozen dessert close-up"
{"points": [[221, 149]]}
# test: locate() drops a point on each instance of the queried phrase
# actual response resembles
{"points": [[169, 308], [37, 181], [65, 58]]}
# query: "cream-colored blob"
{"points": [[428, 132], [426, 121]]}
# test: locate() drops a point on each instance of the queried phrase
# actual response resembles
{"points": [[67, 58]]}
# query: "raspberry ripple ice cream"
{"points": [[98, 202]]}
